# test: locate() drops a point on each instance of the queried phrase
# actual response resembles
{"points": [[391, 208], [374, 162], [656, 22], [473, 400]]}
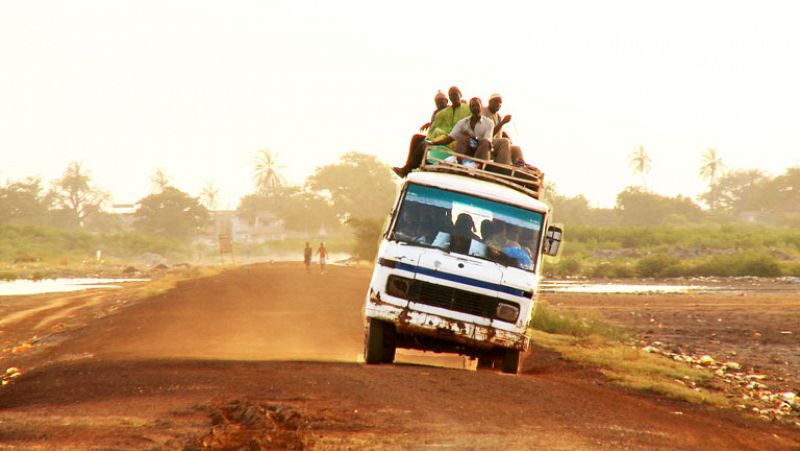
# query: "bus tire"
{"points": [[389, 343], [485, 364], [374, 342], [510, 363]]}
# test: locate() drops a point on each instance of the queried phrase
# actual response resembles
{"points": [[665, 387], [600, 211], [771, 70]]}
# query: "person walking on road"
{"points": [[307, 252], [323, 257]]}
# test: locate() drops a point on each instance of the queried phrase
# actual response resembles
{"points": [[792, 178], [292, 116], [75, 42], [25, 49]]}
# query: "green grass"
{"points": [[565, 322], [669, 251], [24, 244]]}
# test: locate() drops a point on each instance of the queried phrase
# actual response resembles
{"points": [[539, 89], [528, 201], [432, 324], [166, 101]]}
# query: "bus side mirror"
{"points": [[552, 240]]}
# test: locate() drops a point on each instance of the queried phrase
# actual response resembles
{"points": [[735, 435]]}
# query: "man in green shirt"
{"points": [[446, 119], [441, 127]]}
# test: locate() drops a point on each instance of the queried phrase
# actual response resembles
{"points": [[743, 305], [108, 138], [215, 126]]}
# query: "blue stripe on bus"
{"points": [[454, 278]]}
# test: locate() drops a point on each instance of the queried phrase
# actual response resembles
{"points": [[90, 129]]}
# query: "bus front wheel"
{"points": [[510, 363], [379, 344]]}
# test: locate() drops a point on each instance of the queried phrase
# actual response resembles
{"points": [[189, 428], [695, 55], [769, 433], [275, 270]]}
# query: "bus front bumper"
{"points": [[414, 322]]}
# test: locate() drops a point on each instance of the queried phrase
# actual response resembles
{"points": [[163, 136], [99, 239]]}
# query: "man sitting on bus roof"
{"points": [[473, 136], [500, 139], [441, 101], [441, 125]]}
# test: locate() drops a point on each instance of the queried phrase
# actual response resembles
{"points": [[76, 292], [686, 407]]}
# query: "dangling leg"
{"points": [[415, 155]]}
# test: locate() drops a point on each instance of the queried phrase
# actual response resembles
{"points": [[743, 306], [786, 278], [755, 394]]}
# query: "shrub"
{"points": [[566, 266], [555, 321], [368, 235], [676, 269], [654, 266], [739, 265], [612, 270], [758, 265]]}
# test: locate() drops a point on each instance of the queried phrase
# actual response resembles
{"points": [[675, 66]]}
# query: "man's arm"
{"points": [[505, 120], [497, 128], [443, 142], [458, 128]]}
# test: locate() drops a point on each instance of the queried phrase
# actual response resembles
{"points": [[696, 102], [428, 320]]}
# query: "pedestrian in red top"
{"points": [[323, 257]]}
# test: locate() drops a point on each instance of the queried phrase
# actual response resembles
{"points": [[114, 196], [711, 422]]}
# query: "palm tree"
{"points": [[209, 196], [75, 192], [265, 175], [710, 171], [640, 163], [712, 166], [160, 180]]}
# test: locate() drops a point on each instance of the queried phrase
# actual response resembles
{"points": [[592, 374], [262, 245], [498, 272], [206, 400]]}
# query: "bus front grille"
{"points": [[453, 299]]}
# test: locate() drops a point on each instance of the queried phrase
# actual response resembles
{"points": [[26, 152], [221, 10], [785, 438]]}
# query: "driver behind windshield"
{"points": [[463, 234], [415, 224]]}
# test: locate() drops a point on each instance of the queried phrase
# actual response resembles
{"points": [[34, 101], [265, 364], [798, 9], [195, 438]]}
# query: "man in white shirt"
{"points": [[473, 135]]}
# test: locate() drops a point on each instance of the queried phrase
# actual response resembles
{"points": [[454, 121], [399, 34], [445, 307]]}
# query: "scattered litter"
{"points": [[755, 395], [788, 397], [706, 360], [759, 377], [10, 375], [21, 348]]}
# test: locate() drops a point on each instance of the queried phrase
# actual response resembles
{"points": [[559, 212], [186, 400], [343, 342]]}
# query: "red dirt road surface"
{"points": [[266, 356]]}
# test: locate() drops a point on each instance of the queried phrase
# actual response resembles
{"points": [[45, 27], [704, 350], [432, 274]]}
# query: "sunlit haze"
{"points": [[198, 88]]}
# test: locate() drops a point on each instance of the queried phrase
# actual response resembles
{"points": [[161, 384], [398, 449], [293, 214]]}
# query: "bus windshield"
{"points": [[464, 224]]}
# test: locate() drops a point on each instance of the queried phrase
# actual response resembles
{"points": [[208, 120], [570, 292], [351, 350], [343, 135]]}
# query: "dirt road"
{"points": [[266, 356]]}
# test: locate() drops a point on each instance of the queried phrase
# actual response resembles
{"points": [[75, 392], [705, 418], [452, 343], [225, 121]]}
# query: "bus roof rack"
{"points": [[526, 179]]}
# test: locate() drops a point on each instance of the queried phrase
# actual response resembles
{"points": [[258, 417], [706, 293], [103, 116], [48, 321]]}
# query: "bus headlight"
{"points": [[507, 312], [398, 286]]}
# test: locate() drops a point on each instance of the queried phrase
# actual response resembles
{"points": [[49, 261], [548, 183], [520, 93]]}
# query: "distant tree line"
{"points": [[733, 196], [75, 202], [357, 188]]}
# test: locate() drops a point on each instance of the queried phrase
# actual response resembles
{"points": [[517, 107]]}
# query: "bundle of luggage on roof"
{"points": [[470, 129]]}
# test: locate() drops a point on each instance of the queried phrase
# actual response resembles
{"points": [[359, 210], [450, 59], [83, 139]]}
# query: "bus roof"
{"points": [[481, 188]]}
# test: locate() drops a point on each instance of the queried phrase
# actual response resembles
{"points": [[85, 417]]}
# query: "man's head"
{"points": [[441, 100], [495, 102], [475, 106], [455, 96], [464, 224]]}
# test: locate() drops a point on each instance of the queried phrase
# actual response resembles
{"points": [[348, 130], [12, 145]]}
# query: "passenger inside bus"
{"points": [[484, 229], [463, 234]]}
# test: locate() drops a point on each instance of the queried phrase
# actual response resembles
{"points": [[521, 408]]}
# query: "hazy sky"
{"points": [[197, 88]]}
